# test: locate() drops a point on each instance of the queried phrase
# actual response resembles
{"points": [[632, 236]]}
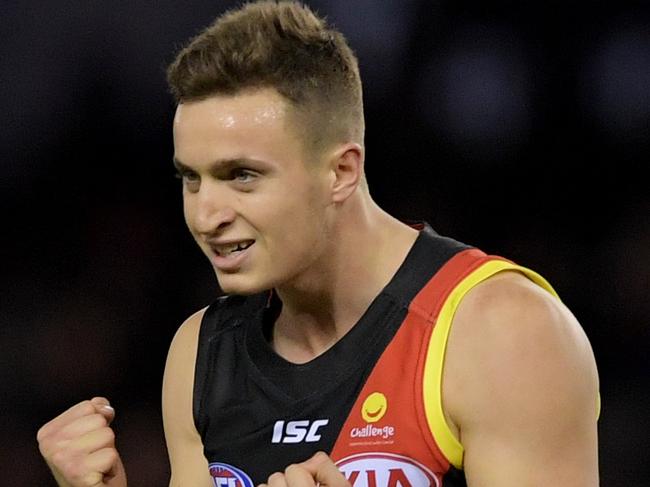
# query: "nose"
{"points": [[209, 210]]}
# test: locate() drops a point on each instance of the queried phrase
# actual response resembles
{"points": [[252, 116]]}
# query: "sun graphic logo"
{"points": [[374, 407], [372, 410]]}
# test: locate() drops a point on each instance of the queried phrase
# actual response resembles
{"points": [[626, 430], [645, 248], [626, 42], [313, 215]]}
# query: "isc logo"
{"points": [[386, 470], [297, 431]]}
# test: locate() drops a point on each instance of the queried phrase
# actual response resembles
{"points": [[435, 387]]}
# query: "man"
{"points": [[350, 348]]}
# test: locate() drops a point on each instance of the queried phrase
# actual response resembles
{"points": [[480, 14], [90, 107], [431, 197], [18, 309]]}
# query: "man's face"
{"points": [[254, 205]]}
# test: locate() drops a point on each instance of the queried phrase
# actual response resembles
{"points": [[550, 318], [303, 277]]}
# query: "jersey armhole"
{"points": [[201, 369], [449, 445]]}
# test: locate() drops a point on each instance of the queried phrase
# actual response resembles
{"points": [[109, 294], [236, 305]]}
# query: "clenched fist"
{"points": [[317, 471], [79, 446]]}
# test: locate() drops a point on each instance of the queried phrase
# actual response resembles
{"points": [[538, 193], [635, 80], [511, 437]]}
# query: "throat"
{"points": [[296, 340], [301, 352]]}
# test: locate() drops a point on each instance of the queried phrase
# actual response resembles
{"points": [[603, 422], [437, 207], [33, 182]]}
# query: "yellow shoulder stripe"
{"points": [[432, 374]]}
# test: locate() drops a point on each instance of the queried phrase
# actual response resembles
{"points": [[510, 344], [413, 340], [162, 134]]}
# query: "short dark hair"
{"points": [[281, 45]]}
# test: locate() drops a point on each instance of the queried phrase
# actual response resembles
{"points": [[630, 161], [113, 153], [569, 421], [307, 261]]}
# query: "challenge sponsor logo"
{"points": [[386, 470], [370, 431], [373, 409], [224, 475]]}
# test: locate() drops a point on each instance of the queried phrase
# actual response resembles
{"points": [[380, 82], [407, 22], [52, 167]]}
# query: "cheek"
{"points": [[303, 234], [291, 217], [189, 216], [290, 230]]}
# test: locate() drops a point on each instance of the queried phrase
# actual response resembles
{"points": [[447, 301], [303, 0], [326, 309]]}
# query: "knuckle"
{"points": [[41, 433], [45, 449], [291, 469], [62, 462], [110, 455], [91, 478], [73, 470], [107, 434], [99, 420], [45, 431], [44, 445], [86, 408], [59, 459], [274, 477]]}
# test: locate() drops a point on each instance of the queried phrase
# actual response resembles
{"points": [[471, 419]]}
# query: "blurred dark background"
{"points": [[519, 127]]}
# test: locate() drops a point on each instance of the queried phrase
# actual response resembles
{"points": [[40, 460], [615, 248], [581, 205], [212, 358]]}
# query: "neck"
{"points": [[367, 247]]}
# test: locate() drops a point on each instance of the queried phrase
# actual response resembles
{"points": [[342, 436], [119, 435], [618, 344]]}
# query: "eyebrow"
{"points": [[179, 165], [219, 163]]}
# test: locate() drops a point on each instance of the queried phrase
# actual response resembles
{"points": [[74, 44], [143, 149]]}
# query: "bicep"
{"points": [[557, 446], [188, 464], [529, 390]]}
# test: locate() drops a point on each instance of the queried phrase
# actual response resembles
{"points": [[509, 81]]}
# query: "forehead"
{"points": [[247, 124], [248, 110]]}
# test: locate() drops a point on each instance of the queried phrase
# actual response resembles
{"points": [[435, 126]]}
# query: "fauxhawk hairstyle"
{"points": [[281, 45]]}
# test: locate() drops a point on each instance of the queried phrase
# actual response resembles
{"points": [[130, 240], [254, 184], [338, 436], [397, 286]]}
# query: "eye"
{"points": [[242, 175], [189, 179]]}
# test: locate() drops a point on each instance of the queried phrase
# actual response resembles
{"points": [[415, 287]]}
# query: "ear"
{"points": [[346, 165]]}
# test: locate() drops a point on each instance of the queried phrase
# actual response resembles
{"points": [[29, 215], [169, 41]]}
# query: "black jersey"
{"points": [[372, 401]]}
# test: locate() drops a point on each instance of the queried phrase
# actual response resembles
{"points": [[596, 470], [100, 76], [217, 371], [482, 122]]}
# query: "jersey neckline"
{"points": [[297, 381]]}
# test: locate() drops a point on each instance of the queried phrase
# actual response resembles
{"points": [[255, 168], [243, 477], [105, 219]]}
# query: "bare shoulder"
{"points": [[512, 310], [178, 379], [188, 465], [179, 370], [187, 335], [520, 377], [519, 335]]}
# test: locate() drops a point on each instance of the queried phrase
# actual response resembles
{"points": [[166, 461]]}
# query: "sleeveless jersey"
{"points": [[372, 401]]}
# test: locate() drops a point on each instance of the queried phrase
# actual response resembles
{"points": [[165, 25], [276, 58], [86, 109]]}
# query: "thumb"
{"points": [[324, 471], [315, 461], [103, 407]]}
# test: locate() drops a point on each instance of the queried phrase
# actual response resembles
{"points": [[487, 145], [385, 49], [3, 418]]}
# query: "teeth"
{"points": [[227, 249], [233, 247]]}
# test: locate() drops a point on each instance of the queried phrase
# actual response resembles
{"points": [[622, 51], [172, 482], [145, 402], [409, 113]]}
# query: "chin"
{"points": [[239, 285]]}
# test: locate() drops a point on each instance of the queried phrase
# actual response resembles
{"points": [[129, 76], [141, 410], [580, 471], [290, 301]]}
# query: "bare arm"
{"points": [[188, 464], [521, 388]]}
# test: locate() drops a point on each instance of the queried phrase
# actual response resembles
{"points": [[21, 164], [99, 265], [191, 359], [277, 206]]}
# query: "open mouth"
{"points": [[226, 250]]}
